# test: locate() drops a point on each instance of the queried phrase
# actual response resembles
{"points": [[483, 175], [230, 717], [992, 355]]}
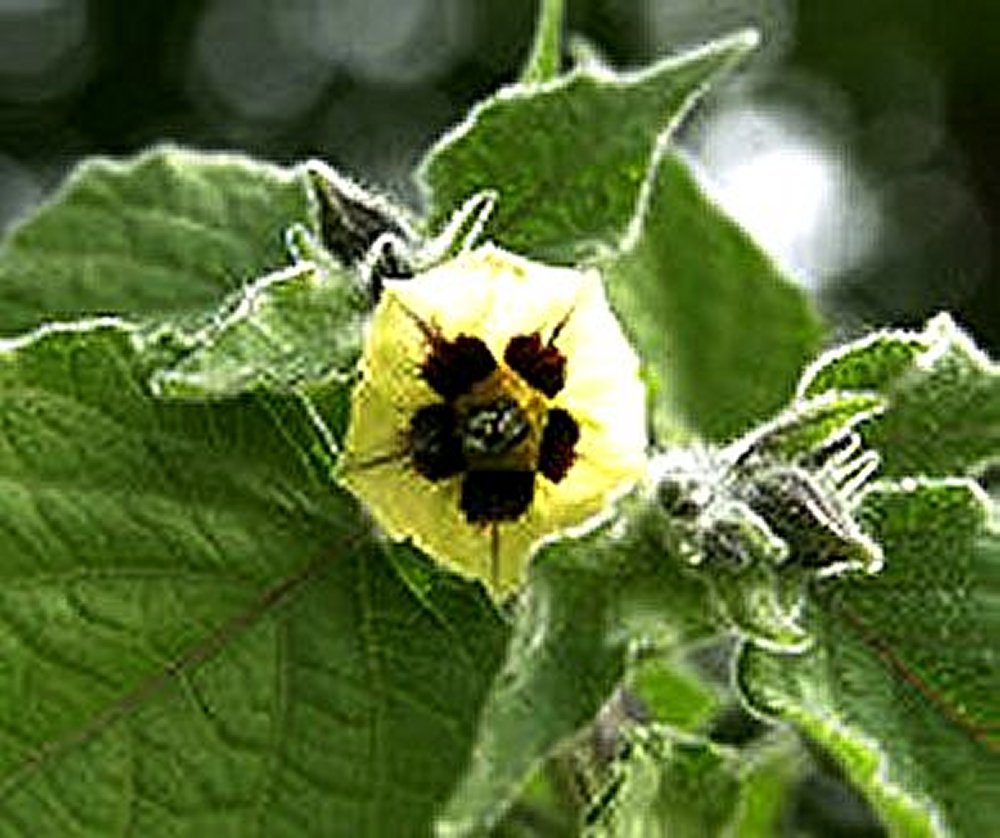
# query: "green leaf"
{"points": [[568, 159], [546, 53], [809, 424], [723, 333], [680, 786], [675, 785], [296, 327], [943, 393], [769, 773], [588, 605], [902, 681], [169, 231], [684, 788], [198, 634], [672, 693], [874, 363]]}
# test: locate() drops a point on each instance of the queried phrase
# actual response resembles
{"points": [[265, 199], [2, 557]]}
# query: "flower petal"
{"points": [[494, 296]]}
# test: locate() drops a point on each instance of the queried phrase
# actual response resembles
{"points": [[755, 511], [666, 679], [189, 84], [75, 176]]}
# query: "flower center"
{"points": [[493, 425], [493, 429], [499, 423]]}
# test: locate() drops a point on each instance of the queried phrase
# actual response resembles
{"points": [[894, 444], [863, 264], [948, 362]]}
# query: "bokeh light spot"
{"points": [[43, 48], [792, 188]]}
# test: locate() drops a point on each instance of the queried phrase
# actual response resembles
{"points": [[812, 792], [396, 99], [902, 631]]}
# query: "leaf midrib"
{"points": [[986, 737]]}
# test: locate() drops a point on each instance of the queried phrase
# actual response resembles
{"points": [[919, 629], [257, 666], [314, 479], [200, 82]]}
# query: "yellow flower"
{"points": [[499, 404]]}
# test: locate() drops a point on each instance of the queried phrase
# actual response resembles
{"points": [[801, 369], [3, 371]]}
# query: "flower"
{"points": [[499, 404]]}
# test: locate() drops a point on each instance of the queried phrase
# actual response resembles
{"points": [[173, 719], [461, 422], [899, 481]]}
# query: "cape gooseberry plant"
{"points": [[319, 517]]}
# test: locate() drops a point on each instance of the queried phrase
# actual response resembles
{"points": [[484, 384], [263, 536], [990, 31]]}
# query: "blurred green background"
{"points": [[858, 145]]}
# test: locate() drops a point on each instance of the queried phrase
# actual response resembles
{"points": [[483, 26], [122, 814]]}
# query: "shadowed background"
{"points": [[858, 145]]}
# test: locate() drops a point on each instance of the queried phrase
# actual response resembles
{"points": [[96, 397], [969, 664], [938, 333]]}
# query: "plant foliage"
{"points": [[202, 633]]}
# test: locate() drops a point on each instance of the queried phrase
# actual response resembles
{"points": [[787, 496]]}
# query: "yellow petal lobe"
{"points": [[495, 296]]}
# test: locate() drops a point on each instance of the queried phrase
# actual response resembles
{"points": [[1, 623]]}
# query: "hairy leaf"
{"points": [[943, 396], [568, 159], [671, 786], [169, 231], [902, 680], [587, 605], [198, 634], [689, 788], [296, 327]]}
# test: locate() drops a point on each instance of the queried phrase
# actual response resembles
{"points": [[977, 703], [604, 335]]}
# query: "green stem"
{"points": [[545, 59]]}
